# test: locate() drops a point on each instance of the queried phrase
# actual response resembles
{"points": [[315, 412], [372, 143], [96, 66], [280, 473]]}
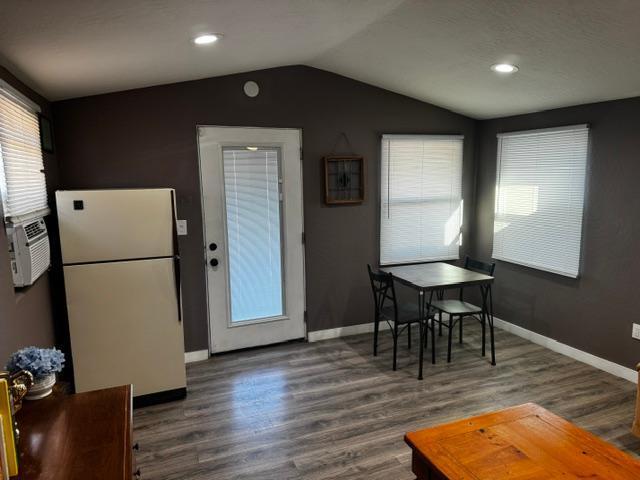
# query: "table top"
{"points": [[524, 442], [79, 436], [431, 276]]}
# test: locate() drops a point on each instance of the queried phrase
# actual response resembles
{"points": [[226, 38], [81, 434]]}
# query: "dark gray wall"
{"points": [[593, 313], [26, 316], [147, 138]]}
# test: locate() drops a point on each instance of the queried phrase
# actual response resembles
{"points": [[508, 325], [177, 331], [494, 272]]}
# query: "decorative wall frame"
{"points": [[344, 179]]}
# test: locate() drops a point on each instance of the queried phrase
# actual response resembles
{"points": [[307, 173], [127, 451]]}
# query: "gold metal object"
{"points": [[19, 384]]}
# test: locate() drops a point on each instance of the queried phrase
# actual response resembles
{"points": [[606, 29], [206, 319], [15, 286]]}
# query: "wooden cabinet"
{"points": [[80, 436]]}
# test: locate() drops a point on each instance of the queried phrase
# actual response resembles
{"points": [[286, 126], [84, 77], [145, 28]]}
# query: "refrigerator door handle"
{"points": [[176, 257], [176, 273]]}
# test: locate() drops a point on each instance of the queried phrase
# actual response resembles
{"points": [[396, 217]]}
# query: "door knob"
{"points": [[213, 262], [213, 246]]}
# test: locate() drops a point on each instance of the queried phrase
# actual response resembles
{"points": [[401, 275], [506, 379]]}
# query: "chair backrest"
{"points": [[479, 266], [383, 289]]}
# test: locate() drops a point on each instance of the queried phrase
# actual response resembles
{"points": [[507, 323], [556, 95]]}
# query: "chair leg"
{"points": [[409, 336], [433, 340], [493, 346], [376, 328], [395, 344], [449, 339], [460, 321], [440, 324], [426, 334], [484, 334]]}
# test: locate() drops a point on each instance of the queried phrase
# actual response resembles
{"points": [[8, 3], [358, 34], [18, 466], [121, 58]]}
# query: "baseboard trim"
{"points": [[319, 335], [580, 355], [598, 362], [159, 397], [196, 356]]}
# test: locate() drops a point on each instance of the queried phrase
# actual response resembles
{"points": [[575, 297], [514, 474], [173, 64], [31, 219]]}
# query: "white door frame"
{"points": [[206, 253]]}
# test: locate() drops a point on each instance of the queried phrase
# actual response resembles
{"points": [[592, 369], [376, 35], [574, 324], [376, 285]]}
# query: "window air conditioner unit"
{"points": [[29, 251]]}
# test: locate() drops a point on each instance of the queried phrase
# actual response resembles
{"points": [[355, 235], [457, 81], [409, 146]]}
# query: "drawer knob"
{"points": [[136, 446]]}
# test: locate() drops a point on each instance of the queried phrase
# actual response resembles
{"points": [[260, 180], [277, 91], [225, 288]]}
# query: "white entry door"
{"points": [[251, 182]]}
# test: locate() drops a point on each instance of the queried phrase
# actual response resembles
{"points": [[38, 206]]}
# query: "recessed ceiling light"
{"points": [[207, 38], [504, 68], [253, 149]]}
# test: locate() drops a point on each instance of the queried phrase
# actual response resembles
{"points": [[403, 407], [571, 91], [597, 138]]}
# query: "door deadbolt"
{"points": [[213, 262], [213, 247]]}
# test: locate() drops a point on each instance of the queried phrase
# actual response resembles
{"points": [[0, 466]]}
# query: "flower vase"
{"points": [[42, 387]]}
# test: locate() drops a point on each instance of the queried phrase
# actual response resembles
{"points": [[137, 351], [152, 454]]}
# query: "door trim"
{"points": [[204, 232]]}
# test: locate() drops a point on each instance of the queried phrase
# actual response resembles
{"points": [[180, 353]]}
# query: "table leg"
{"points": [[421, 469], [483, 320], [433, 342], [433, 329], [440, 297], [493, 346], [487, 313], [421, 322]]}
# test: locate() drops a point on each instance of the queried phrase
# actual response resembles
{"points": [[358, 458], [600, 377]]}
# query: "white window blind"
{"points": [[22, 180], [253, 215], [421, 198], [540, 198]]}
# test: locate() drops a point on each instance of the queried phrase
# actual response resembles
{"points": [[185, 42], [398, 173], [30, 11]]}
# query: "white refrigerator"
{"points": [[122, 283]]}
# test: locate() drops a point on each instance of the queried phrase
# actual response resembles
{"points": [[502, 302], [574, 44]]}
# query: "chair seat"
{"points": [[407, 313], [456, 307]]}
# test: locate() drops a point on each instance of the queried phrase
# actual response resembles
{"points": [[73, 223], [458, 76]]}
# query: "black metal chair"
{"points": [[459, 309], [399, 316]]}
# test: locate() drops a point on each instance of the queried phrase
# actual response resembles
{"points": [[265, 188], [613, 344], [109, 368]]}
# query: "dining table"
{"points": [[434, 278]]}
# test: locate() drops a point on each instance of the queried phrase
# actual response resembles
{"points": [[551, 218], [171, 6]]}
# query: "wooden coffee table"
{"points": [[525, 443]]}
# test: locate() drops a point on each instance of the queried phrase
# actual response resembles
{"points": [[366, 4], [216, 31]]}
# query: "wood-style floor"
{"points": [[330, 410]]}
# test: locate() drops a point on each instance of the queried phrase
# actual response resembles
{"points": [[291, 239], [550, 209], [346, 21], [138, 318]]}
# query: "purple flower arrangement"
{"points": [[38, 361]]}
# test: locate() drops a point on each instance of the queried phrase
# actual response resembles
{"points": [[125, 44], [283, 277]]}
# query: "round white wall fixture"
{"points": [[251, 89]]}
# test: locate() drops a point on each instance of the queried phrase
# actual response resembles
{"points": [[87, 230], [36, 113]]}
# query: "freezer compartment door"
{"points": [[103, 225], [124, 326]]}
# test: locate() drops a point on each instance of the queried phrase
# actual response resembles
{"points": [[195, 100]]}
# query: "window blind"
{"points": [[540, 198], [22, 180], [253, 218], [421, 198]]}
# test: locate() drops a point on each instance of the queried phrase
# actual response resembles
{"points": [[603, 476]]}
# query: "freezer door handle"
{"points": [[176, 272], [176, 257]]}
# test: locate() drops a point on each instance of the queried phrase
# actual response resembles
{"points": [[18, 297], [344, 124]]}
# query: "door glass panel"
{"points": [[253, 221]]}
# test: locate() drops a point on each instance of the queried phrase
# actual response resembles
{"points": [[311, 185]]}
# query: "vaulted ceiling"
{"points": [[569, 51]]}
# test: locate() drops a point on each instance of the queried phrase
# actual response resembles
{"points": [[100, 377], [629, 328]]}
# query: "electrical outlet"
{"points": [[635, 333], [181, 227]]}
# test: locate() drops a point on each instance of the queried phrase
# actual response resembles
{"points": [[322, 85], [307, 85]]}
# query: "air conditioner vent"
{"points": [[40, 257], [34, 229]]}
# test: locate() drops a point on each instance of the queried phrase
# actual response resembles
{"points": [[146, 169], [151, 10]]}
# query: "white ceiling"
{"points": [[569, 51]]}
